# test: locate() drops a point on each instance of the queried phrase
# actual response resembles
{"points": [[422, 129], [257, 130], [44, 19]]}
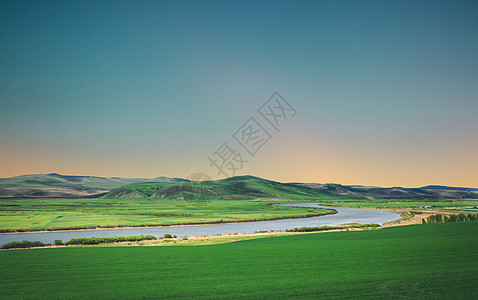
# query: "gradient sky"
{"points": [[386, 92]]}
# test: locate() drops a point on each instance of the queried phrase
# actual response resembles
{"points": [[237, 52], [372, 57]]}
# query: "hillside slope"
{"points": [[234, 188], [428, 192], [54, 185]]}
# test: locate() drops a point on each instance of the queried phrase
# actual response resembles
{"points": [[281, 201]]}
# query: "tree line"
{"points": [[322, 228], [80, 241], [438, 218]]}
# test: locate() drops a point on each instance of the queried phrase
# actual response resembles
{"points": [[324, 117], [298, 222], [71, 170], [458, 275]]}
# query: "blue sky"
{"points": [[386, 91]]}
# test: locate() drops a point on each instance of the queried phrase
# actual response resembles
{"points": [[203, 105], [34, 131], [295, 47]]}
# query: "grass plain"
{"points": [[48, 214], [427, 261], [55, 214], [446, 204]]}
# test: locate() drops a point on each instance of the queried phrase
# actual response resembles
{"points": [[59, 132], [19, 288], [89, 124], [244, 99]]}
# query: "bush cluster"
{"points": [[81, 241], [322, 228], [438, 218], [24, 244], [94, 240]]}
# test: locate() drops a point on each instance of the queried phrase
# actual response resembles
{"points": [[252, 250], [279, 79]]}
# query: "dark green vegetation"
{"points": [[81, 241], [325, 228], [23, 244], [55, 214], [434, 261], [104, 240], [438, 218]]}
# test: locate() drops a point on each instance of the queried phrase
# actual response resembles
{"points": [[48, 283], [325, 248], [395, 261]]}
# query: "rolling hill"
{"points": [[372, 192], [54, 185], [250, 187], [233, 188]]}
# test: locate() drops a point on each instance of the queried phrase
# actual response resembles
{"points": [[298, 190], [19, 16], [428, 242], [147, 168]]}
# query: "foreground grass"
{"points": [[193, 241], [428, 261], [51, 214]]}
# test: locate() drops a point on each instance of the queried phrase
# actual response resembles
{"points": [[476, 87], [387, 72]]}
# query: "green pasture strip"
{"points": [[432, 261], [54, 214], [399, 203]]}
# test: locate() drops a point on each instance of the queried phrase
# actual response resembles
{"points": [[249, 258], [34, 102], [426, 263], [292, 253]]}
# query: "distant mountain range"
{"points": [[54, 185], [426, 192], [451, 188]]}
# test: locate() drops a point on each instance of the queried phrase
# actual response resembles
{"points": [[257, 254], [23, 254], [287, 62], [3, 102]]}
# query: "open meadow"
{"points": [[427, 261], [55, 214]]}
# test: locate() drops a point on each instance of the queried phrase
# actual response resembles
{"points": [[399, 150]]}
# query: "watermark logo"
{"points": [[247, 141], [276, 110], [195, 191], [226, 160], [251, 136]]}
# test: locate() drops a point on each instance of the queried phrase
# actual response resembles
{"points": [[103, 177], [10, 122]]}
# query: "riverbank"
{"points": [[343, 216], [200, 240], [33, 215], [332, 212]]}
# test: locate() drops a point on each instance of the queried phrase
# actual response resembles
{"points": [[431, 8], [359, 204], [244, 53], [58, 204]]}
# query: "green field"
{"points": [[54, 214], [431, 261], [405, 204], [38, 214]]}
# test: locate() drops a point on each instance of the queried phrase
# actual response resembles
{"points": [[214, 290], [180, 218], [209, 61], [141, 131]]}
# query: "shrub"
{"points": [[472, 217], [322, 228], [93, 240], [58, 242], [438, 218], [168, 236], [23, 244]]}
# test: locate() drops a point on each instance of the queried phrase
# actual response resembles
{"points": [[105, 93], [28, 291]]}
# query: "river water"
{"points": [[344, 215]]}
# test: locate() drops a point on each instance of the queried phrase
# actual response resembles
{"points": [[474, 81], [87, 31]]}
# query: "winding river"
{"points": [[344, 215]]}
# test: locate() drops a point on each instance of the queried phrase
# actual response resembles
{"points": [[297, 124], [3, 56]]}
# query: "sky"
{"points": [[380, 93]]}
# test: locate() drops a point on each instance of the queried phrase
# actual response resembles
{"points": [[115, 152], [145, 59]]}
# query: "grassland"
{"points": [[431, 261], [54, 214], [444, 204], [238, 188]]}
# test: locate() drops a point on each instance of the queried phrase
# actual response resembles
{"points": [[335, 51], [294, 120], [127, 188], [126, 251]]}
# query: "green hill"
{"points": [[251, 187], [234, 188], [55, 185]]}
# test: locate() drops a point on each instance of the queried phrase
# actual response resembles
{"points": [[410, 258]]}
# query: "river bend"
{"points": [[344, 215]]}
